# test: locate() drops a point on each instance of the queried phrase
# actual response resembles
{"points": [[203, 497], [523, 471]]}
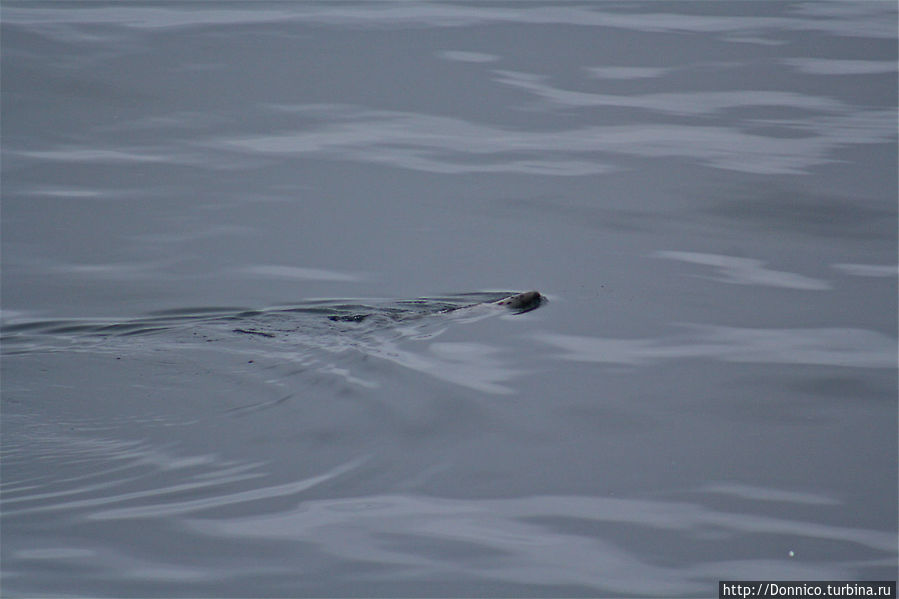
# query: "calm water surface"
{"points": [[199, 200]]}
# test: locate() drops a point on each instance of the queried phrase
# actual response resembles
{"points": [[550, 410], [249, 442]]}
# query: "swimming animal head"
{"points": [[523, 302]]}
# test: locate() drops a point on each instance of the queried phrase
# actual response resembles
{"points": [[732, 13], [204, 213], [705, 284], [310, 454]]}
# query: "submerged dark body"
{"points": [[316, 317], [517, 304]]}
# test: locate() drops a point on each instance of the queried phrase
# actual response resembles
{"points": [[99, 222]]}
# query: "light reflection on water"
{"points": [[835, 347], [869, 19], [591, 542], [440, 144], [745, 271], [708, 194], [539, 540]]}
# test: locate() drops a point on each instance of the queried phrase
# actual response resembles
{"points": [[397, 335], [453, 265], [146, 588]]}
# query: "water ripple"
{"points": [[318, 335], [544, 539], [299, 273], [766, 494], [845, 347], [681, 103], [463, 56], [869, 270], [746, 271], [826, 66], [867, 19], [626, 72], [452, 145], [163, 508]]}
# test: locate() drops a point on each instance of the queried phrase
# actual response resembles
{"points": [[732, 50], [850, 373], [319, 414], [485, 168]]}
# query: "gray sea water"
{"points": [[233, 239]]}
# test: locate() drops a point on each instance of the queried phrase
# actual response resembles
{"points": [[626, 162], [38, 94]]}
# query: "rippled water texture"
{"points": [[250, 260]]}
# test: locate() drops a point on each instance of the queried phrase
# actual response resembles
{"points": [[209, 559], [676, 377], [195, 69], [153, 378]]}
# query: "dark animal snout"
{"points": [[523, 302]]}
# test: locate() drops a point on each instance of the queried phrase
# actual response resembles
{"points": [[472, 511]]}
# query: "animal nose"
{"points": [[523, 302]]}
